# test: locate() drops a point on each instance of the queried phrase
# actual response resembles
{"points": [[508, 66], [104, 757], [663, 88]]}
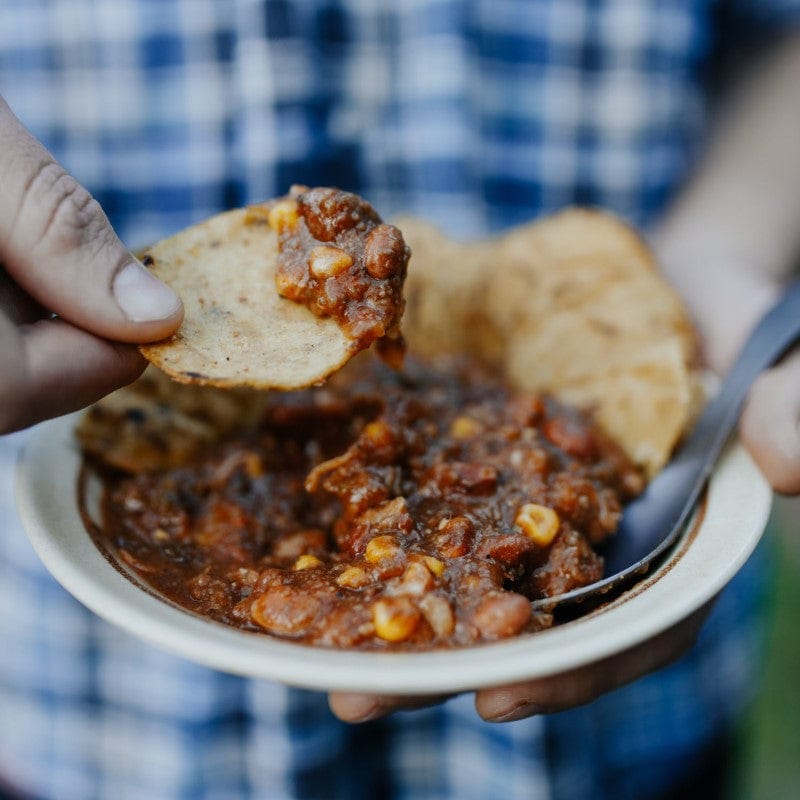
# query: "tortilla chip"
{"points": [[572, 305], [645, 405], [445, 302], [156, 423], [237, 331]]}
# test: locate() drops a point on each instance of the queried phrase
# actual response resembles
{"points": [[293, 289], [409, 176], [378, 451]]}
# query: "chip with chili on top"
{"points": [[282, 294]]}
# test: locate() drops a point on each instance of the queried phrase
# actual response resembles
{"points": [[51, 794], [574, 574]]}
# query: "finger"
{"points": [[57, 243], [360, 707], [580, 686], [17, 305], [769, 426], [51, 367]]}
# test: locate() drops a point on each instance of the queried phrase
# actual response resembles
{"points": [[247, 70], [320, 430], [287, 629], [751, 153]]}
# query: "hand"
{"points": [[770, 426], [60, 256], [544, 695], [728, 296]]}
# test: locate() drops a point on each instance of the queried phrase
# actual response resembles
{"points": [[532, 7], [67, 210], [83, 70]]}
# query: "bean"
{"points": [[384, 251], [502, 614], [285, 610]]}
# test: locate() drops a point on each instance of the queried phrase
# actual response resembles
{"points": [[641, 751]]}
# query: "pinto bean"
{"points": [[502, 614], [384, 251], [285, 610]]}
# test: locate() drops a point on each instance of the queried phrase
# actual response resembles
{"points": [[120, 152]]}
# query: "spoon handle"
{"points": [[777, 330]]}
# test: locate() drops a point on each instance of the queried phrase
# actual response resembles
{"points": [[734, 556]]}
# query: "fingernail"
{"points": [[368, 716], [517, 712], [141, 296], [358, 709]]}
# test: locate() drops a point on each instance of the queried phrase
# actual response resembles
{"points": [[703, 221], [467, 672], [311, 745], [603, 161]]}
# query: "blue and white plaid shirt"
{"points": [[477, 113]]}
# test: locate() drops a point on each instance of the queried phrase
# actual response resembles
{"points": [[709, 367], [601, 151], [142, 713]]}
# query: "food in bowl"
{"points": [[424, 508], [418, 509]]}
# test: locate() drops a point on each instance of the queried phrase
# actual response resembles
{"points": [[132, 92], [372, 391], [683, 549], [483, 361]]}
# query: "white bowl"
{"points": [[735, 515]]}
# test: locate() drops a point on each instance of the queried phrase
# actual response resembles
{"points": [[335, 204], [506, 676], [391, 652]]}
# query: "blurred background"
{"points": [[83, 74], [767, 766]]}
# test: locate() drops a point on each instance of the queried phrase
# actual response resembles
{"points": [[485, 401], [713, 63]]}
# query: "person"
{"points": [[477, 115]]}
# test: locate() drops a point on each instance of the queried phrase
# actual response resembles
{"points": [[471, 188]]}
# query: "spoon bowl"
{"points": [[653, 522]]}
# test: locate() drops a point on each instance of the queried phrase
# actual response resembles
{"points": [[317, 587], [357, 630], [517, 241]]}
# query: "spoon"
{"points": [[652, 523]]}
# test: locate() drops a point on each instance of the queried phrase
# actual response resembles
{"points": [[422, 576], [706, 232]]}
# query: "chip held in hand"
{"points": [[281, 295]]}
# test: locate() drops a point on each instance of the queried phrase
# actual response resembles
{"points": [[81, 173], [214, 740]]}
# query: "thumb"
{"points": [[57, 244], [770, 425]]}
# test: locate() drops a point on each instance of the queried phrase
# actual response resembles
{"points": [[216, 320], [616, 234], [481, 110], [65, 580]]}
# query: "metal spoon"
{"points": [[652, 523]]}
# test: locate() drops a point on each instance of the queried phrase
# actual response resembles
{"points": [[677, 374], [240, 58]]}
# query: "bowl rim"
{"points": [[736, 512]]}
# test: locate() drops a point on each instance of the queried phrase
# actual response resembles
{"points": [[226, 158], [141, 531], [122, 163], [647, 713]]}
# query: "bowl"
{"points": [[726, 530]]}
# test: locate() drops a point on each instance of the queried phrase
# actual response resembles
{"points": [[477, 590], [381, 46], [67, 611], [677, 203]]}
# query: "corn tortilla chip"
{"points": [[156, 424], [237, 331], [572, 305]]}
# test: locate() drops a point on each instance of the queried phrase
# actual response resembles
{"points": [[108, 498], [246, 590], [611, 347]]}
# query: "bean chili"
{"points": [[340, 260], [412, 510]]}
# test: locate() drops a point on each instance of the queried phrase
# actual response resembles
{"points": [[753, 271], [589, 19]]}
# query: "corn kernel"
{"points": [[433, 564], [538, 523], [464, 427], [253, 465], [417, 578], [377, 432], [284, 284], [395, 619], [325, 261], [283, 215], [352, 578], [306, 561], [160, 535], [382, 548]]}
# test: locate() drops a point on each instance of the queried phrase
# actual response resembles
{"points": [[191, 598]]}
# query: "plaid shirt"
{"points": [[477, 114]]}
